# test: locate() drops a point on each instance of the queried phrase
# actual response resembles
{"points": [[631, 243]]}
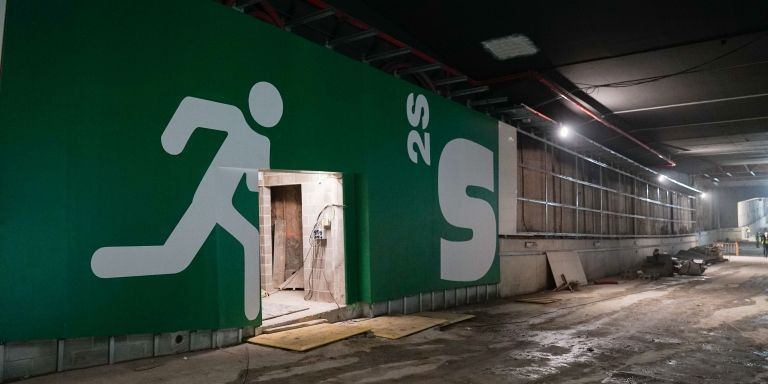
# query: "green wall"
{"points": [[86, 90]]}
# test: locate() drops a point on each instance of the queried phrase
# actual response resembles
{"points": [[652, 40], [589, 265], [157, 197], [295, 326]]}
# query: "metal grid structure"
{"points": [[586, 190]]}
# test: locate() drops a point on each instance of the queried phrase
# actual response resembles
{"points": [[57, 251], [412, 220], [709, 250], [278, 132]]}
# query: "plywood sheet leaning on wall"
{"points": [[278, 260], [566, 263]]}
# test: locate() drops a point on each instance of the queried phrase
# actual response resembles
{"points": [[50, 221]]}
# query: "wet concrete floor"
{"points": [[707, 329]]}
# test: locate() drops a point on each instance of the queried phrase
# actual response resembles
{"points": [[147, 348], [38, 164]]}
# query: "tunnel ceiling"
{"points": [[687, 78]]}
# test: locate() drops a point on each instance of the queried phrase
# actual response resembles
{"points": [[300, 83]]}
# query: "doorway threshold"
{"points": [[296, 309]]}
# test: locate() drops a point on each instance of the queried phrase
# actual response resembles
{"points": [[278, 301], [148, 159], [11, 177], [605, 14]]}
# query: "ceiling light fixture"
{"points": [[729, 174], [753, 173], [564, 131], [703, 195], [662, 178], [509, 47]]}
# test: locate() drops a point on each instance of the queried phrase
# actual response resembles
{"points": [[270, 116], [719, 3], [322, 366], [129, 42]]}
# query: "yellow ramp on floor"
{"points": [[395, 327], [449, 317], [304, 339]]}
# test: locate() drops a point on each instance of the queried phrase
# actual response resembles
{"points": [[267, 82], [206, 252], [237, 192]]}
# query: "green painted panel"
{"points": [[88, 89]]}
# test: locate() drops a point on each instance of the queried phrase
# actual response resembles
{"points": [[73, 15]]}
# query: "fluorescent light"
{"points": [[716, 180], [662, 178], [564, 131], [729, 174], [511, 46], [753, 173]]}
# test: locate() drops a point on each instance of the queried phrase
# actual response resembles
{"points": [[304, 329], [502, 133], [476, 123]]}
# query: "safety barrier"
{"points": [[729, 248]]}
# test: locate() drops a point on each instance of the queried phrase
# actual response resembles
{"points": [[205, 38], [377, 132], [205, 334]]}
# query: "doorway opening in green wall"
{"points": [[301, 243]]}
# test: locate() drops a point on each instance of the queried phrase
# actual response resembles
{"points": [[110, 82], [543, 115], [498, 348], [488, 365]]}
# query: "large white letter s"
{"points": [[464, 163]]}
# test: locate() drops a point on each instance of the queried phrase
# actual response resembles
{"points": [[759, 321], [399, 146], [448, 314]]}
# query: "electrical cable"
{"points": [[314, 245], [644, 80]]}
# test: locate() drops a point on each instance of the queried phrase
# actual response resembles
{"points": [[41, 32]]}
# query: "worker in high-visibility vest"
{"points": [[764, 239]]}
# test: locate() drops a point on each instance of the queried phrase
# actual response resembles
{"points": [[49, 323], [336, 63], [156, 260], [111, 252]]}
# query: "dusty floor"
{"points": [[711, 329]]}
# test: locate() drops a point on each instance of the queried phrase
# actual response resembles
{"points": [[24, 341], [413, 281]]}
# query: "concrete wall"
{"points": [[507, 179], [749, 211], [752, 215], [20, 360], [728, 199], [524, 263]]}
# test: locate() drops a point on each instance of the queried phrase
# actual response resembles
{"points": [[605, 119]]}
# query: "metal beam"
{"points": [[248, 3], [419, 69], [314, 16], [612, 152], [469, 91], [387, 55], [700, 102], [494, 100], [599, 163], [450, 80], [362, 35], [600, 211], [578, 181], [700, 124]]}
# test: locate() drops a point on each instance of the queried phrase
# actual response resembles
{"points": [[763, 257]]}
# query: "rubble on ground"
{"points": [[690, 267], [709, 254], [693, 261]]}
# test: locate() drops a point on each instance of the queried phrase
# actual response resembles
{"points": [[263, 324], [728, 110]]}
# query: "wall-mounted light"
{"points": [[564, 131]]}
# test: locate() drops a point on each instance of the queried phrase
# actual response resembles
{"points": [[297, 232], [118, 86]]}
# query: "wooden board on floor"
{"points": [[294, 281], [395, 327], [537, 300], [304, 339], [449, 317], [566, 263]]}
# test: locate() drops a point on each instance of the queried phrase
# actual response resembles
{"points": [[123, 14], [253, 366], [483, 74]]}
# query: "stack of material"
{"points": [[660, 264], [708, 254], [690, 267]]}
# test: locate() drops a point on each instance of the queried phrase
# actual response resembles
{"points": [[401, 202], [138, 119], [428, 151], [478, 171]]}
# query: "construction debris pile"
{"points": [[693, 261], [709, 254]]}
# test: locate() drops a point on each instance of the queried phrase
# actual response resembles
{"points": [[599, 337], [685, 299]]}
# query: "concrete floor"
{"points": [[710, 329], [295, 298]]}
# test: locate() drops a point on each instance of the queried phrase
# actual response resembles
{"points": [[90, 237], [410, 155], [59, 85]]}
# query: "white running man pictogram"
{"points": [[243, 152]]}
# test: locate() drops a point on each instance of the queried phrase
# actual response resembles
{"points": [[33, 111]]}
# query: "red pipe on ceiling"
{"points": [[530, 74], [388, 38], [568, 96]]}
